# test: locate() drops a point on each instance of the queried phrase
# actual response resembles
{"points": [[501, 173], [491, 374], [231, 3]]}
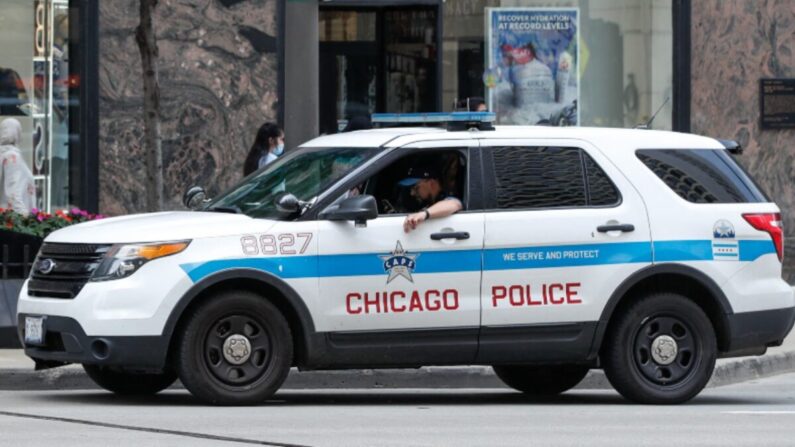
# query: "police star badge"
{"points": [[399, 263]]}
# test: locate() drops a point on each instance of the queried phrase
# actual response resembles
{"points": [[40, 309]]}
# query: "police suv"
{"points": [[647, 254]]}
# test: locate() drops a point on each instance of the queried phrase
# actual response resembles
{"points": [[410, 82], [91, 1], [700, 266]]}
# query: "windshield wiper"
{"points": [[225, 209]]}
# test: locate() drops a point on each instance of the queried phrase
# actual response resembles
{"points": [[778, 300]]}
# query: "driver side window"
{"points": [[393, 197]]}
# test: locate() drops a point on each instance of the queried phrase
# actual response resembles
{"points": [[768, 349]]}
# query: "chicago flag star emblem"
{"points": [[399, 263]]}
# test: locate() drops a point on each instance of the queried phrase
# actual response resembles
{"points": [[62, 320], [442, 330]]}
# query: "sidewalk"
{"points": [[16, 373]]}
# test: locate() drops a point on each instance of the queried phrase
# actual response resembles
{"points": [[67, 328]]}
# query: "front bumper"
{"points": [[65, 342], [139, 305], [753, 332]]}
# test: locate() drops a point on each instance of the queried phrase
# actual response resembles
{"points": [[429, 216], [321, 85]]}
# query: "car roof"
{"points": [[605, 138], [371, 138]]}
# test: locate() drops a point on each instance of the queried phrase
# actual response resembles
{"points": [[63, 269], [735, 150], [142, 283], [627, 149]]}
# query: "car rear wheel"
{"points": [[541, 380], [660, 350], [129, 383], [236, 349]]}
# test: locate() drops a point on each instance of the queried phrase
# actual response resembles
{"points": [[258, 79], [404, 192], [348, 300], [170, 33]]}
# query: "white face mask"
{"points": [[279, 150]]}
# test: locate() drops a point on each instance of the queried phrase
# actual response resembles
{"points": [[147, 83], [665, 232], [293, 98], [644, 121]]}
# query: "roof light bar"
{"points": [[434, 118], [481, 120]]}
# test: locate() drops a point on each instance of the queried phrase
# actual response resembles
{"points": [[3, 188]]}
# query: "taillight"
{"points": [[770, 223]]}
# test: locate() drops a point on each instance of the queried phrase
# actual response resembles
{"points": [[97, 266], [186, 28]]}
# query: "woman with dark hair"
{"points": [[267, 147]]}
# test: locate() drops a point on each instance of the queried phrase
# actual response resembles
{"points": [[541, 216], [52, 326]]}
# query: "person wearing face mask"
{"points": [[17, 189], [267, 147]]}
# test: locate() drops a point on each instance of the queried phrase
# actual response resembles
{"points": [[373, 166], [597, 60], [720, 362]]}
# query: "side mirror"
{"points": [[287, 203], [194, 197], [359, 209]]}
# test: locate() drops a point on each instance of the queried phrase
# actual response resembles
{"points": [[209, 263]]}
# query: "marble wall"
{"points": [[218, 75], [735, 43]]}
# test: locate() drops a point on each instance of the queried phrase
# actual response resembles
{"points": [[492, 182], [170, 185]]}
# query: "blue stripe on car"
{"points": [[567, 255], [367, 264], [681, 251], [751, 250]]}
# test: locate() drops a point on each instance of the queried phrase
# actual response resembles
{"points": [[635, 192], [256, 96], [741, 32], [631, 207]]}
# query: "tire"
{"points": [[640, 361], [129, 383], [218, 366], [548, 380]]}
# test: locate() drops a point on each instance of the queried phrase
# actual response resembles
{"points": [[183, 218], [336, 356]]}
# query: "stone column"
{"points": [[301, 65]]}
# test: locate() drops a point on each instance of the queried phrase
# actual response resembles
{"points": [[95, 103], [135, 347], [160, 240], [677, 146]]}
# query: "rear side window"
{"points": [[702, 175], [549, 177], [601, 191]]}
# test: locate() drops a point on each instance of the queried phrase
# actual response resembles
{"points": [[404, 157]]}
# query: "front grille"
{"points": [[73, 265]]}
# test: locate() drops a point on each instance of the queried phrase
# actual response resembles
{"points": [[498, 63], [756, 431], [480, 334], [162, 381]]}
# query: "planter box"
{"points": [[17, 252], [9, 294]]}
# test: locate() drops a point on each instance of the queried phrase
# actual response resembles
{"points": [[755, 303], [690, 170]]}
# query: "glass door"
{"points": [[376, 59], [410, 51], [349, 67]]}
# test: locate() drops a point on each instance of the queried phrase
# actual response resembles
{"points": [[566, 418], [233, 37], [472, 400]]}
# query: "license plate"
{"points": [[34, 330]]}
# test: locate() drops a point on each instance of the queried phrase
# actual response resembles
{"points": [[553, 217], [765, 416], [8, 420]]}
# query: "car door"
{"points": [[388, 297], [563, 228]]}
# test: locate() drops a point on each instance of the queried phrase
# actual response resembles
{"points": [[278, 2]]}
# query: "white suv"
{"points": [[648, 254]]}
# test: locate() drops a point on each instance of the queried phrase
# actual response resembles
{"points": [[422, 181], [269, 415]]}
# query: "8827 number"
{"points": [[276, 244]]}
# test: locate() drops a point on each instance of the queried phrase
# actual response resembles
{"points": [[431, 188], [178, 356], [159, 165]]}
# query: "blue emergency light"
{"points": [[452, 120]]}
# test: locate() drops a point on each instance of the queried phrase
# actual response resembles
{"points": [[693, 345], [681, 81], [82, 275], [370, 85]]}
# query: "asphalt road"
{"points": [[752, 413]]}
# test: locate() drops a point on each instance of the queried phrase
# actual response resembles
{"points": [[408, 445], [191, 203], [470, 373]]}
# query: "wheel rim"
{"points": [[237, 350], [665, 350]]}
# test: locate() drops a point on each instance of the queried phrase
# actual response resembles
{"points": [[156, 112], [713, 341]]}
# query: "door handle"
{"points": [[458, 235], [624, 228]]}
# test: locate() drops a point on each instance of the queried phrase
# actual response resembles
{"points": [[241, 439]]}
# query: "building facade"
{"points": [[218, 68], [735, 44], [71, 74]]}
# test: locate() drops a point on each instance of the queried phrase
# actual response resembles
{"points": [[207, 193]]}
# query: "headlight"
{"points": [[122, 260]]}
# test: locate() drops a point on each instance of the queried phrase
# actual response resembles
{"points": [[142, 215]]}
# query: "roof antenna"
{"points": [[647, 124]]}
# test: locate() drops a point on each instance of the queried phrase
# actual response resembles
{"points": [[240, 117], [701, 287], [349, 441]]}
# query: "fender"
{"points": [[646, 273], [304, 316]]}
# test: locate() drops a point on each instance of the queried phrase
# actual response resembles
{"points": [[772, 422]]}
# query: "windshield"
{"points": [[305, 173]]}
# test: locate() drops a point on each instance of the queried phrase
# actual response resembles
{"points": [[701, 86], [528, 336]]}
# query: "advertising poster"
{"points": [[532, 58]]}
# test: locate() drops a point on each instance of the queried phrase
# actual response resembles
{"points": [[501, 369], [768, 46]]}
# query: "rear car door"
{"points": [[389, 297], [563, 228]]}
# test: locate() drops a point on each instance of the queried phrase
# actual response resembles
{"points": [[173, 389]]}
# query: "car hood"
{"points": [[154, 227]]}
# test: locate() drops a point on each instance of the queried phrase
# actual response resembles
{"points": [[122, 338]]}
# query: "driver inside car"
{"points": [[426, 186]]}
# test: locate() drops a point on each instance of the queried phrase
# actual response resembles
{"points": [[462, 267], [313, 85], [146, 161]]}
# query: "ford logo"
{"points": [[46, 266]]}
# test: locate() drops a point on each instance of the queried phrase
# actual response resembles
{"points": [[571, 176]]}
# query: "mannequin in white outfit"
{"points": [[17, 189]]}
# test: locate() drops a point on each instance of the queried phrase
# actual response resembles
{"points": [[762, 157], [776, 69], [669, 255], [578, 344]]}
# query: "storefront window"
{"points": [[561, 62], [38, 87], [376, 59]]}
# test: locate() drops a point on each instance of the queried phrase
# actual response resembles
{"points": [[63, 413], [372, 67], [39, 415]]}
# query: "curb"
{"points": [[726, 373], [752, 368]]}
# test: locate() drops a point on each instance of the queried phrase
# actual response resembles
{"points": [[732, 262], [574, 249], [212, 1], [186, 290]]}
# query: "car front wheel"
{"points": [[129, 383], [236, 349]]}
